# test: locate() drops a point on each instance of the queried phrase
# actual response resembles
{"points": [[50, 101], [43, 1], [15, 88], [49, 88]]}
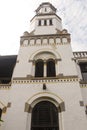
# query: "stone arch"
{"points": [[49, 54], [44, 96]]}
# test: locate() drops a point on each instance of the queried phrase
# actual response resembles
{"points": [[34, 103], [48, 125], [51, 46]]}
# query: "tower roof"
{"points": [[46, 3]]}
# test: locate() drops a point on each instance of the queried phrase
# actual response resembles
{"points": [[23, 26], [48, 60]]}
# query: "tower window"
{"points": [[0, 113], [39, 66], [45, 9], [50, 22], [47, 69], [83, 67], [39, 23], [45, 22], [44, 116], [51, 68]]}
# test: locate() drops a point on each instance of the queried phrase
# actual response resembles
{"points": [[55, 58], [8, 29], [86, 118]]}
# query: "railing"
{"points": [[80, 54]]}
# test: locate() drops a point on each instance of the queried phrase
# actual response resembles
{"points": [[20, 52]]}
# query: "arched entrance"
{"points": [[45, 116]]}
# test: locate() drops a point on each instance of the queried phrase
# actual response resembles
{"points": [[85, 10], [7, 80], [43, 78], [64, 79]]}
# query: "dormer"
{"points": [[46, 8]]}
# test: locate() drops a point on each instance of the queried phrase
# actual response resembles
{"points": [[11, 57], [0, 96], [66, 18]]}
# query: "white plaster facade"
{"points": [[64, 90]]}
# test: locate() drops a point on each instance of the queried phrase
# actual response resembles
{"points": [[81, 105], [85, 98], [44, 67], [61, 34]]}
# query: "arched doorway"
{"points": [[45, 116]]}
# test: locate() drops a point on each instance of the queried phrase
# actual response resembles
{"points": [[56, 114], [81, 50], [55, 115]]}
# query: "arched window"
{"points": [[51, 68], [45, 22], [0, 113], [39, 68], [50, 22], [45, 116], [39, 22]]}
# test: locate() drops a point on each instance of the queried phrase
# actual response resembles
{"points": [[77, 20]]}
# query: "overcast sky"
{"points": [[15, 18]]}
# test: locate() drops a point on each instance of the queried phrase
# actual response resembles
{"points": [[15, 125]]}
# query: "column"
{"points": [[45, 73], [33, 69]]}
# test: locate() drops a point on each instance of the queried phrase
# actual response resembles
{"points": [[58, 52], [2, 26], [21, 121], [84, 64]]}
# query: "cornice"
{"points": [[30, 79], [46, 35], [5, 86]]}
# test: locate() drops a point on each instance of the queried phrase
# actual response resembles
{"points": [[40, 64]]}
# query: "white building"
{"points": [[45, 86]]}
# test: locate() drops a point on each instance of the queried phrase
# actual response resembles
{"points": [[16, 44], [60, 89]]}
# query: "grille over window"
{"points": [[44, 116], [39, 68], [51, 68]]}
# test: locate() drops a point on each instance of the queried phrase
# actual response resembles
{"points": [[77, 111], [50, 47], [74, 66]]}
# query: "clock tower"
{"points": [[45, 92]]}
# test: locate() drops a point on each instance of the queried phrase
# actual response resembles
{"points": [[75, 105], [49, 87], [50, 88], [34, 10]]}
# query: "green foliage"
{"points": [[1, 120]]}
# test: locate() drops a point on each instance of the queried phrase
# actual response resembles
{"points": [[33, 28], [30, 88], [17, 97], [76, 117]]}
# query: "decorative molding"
{"points": [[3, 107], [5, 86], [4, 110], [80, 55], [9, 104], [42, 80], [62, 106], [55, 54], [17, 61], [26, 107], [48, 37], [83, 85], [41, 96]]}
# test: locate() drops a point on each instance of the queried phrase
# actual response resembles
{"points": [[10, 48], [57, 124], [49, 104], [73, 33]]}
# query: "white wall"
{"points": [[66, 66], [69, 92], [41, 30]]}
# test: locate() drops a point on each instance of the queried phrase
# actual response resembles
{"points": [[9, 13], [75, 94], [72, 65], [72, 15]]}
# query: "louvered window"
{"points": [[50, 22], [45, 22], [44, 116], [51, 68], [39, 23], [39, 68]]}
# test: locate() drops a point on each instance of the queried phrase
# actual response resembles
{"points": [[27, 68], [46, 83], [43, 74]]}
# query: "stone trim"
{"points": [[44, 80], [5, 86], [80, 55], [55, 59], [81, 103], [28, 107], [47, 96], [17, 61], [3, 107], [53, 36], [9, 104], [83, 85], [4, 110], [62, 106]]}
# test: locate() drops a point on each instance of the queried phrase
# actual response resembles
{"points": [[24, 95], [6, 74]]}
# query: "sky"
{"points": [[15, 16]]}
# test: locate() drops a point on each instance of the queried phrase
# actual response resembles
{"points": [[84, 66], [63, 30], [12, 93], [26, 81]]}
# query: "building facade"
{"points": [[44, 87]]}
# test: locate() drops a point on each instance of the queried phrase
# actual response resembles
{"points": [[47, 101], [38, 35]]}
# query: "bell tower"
{"points": [[46, 21], [45, 83]]}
